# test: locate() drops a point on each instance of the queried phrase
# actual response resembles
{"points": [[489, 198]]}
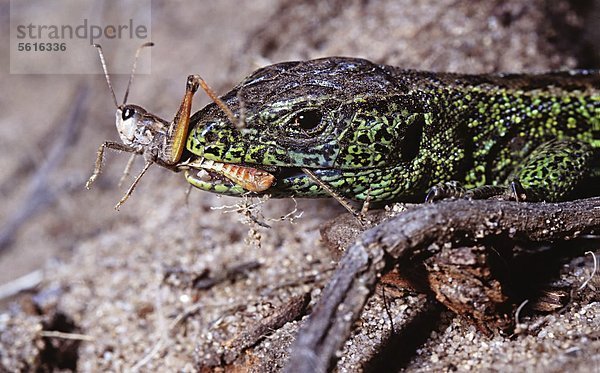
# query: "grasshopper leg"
{"points": [[100, 158], [133, 185], [127, 170]]}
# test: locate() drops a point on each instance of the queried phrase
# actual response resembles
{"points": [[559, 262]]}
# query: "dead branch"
{"points": [[464, 221], [290, 311], [233, 273]]}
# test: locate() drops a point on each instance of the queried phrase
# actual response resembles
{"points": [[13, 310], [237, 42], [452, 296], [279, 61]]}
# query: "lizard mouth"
{"points": [[237, 179], [230, 175], [241, 179]]}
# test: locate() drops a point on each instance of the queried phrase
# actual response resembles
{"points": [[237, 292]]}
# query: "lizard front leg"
{"points": [[550, 173]]}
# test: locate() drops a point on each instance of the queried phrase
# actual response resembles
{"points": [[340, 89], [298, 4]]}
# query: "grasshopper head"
{"points": [[137, 127]]}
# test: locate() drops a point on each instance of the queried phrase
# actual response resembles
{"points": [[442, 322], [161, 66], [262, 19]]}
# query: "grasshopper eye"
{"points": [[127, 113]]}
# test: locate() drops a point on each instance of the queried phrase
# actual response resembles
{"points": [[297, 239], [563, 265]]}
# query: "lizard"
{"points": [[353, 129], [388, 134], [366, 131]]}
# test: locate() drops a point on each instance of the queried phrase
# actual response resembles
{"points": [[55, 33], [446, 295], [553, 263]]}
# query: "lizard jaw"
{"points": [[229, 175], [237, 180]]}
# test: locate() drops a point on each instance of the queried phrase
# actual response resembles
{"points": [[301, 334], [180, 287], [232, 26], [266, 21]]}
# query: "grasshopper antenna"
{"points": [[135, 59], [104, 68], [106, 73], [213, 96]]}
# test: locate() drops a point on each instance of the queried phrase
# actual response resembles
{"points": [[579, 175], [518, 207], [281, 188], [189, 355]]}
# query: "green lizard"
{"points": [[360, 131], [363, 130]]}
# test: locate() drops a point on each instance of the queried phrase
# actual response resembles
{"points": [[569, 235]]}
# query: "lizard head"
{"points": [[338, 117]]}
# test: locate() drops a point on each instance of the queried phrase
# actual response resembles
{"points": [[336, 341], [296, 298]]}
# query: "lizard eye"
{"points": [[308, 120], [127, 113]]}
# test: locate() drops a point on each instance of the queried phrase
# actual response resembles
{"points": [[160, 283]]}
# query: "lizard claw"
{"points": [[449, 189], [433, 195], [518, 192]]}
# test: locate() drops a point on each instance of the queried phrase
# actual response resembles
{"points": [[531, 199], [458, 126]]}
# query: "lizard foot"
{"points": [[449, 189]]}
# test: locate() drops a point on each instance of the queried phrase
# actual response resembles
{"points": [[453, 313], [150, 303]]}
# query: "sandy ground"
{"points": [[122, 278]]}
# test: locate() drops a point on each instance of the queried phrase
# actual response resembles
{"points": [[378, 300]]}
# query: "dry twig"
{"points": [[461, 221]]}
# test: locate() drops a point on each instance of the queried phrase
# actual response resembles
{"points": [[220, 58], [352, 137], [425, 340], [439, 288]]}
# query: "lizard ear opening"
{"points": [[411, 143]]}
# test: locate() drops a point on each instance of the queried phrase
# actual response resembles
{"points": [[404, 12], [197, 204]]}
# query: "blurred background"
{"points": [[103, 266]]}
